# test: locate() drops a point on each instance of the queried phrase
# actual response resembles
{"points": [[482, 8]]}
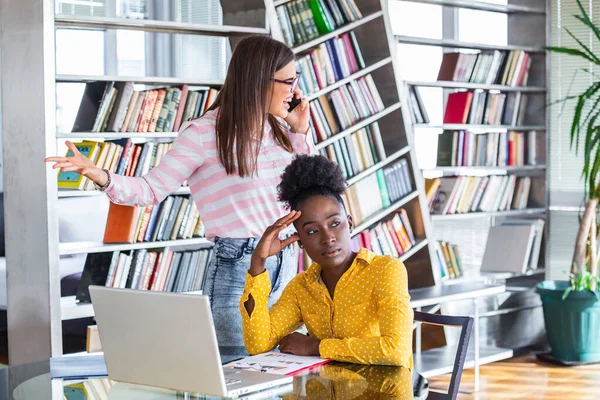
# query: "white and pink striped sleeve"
{"points": [[178, 164], [302, 142]]}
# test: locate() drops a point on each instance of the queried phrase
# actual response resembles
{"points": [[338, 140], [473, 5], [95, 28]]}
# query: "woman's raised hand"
{"points": [[270, 244], [80, 164], [299, 116]]}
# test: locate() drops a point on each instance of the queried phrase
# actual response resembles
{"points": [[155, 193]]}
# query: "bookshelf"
{"points": [[527, 31], [470, 85], [345, 43], [523, 20], [456, 44], [31, 210], [485, 6]]}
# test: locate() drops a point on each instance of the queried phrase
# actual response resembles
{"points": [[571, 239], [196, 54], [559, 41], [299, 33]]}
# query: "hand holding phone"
{"points": [[294, 103]]}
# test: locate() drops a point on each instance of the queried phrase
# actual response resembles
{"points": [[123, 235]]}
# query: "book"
{"points": [[78, 366], [277, 363], [508, 248], [74, 180], [121, 223]]}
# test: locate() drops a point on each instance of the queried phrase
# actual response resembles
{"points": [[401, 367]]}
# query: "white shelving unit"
{"points": [[376, 42], [28, 50], [526, 31]]}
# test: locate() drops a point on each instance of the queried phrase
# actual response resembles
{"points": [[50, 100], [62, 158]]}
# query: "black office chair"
{"points": [[466, 325]]}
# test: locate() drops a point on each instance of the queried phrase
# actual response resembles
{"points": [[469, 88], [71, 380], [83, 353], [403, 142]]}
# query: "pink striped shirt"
{"points": [[229, 205]]}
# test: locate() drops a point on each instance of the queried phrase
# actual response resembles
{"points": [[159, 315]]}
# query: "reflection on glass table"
{"points": [[332, 381]]}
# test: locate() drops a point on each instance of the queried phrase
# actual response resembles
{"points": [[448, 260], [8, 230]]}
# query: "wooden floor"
{"points": [[527, 378]]}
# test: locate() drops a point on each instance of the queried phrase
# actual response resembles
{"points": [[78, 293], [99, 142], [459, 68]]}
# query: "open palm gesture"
{"points": [[270, 244], [75, 163]]}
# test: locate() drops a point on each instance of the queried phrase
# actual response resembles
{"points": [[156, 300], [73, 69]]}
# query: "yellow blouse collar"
{"points": [[313, 272]]}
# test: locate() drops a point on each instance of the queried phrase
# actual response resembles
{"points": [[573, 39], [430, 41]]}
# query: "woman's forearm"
{"points": [[257, 267]]}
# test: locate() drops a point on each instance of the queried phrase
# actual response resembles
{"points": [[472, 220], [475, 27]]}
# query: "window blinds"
{"points": [[564, 181]]}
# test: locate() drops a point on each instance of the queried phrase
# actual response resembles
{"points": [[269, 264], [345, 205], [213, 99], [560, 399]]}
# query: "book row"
{"points": [[176, 217], [343, 107], [487, 108], [417, 108], [449, 260], [120, 156], [392, 237], [305, 20], [117, 107], [466, 194], [164, 271], [358, 151], [378, 191], [495, 149], [331, 61], [510, 68]]}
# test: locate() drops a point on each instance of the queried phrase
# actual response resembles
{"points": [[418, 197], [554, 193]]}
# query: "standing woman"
{"points": [[232, 157]]}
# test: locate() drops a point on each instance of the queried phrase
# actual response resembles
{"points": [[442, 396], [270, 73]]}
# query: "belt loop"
{"points": [[250, 245]]}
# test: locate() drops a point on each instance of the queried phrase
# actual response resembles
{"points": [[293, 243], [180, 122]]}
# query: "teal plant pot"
{"points": [[573, 324]]}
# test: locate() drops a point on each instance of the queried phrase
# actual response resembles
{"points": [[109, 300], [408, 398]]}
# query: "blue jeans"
{"points": [[224, 284]]}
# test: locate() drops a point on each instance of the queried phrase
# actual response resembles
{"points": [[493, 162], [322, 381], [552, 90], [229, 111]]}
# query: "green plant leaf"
{"points": [[586, 49], [592, 111], [590, 140], [576, 124], [585, 18], [592, 73], [594, 173], [572, 52], [566, 293]]}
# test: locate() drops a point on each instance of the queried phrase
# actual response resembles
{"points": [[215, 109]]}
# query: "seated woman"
{"points": [[355, 305]]}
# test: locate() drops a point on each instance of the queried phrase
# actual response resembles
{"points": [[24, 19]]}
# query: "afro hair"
{"points": [[309, 176]]}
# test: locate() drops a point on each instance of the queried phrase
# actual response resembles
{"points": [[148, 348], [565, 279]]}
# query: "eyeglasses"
{"points": [[293, 84]]}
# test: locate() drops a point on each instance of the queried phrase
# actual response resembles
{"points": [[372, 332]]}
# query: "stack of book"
{"points": [[509, 68], [120, 156], [116, 107], [417, 108], [165, 271], [392, 237], [449, 260], [379, 190], [305, 20], [486, 108], [176, 217], [344, 107], [464, 194], [358, 151], [524, 239], [495, 149], [331, 61]]}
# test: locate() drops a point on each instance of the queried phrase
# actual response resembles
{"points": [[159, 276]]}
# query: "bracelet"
{"points": [[105, 186]]}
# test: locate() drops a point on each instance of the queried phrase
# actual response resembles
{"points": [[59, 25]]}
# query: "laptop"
{"points": [[168, 340]]}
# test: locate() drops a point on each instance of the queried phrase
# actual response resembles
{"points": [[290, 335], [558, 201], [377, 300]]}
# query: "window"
{"points": [[77, 52], [565, 185], [421, 63], [81, 7], [473, 26], [200, 57], [134, 53]]}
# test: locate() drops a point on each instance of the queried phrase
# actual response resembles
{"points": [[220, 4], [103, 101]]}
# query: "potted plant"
{"points": [[572, 308]]}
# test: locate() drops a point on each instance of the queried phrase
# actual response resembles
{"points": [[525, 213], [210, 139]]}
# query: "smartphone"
{"points": [[294, 103]]}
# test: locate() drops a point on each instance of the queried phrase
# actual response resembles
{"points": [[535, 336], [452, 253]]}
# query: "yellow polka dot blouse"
{"points": [[353, 381], [369, 320]]}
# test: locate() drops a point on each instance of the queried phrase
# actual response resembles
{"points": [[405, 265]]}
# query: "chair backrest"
{"points": [[466, 325]]}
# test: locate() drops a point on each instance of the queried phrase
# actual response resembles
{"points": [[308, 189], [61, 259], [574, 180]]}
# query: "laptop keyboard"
{"points": [[229, 381]]}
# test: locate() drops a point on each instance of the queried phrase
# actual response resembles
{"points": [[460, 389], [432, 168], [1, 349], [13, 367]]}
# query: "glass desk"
{"points": [[332, 381]]}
